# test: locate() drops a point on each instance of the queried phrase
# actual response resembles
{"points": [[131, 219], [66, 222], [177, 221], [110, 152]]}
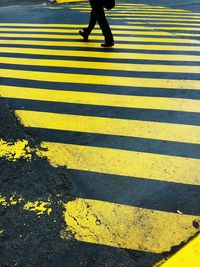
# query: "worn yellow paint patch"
{"points": [[187, 256], [127, 227], [39, 207], [12, 200], [15, 150], [3, 201]]}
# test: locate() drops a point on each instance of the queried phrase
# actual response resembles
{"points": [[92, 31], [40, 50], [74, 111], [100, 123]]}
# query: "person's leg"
{"points": [[93, 20], [103, 23], [86, 31]]}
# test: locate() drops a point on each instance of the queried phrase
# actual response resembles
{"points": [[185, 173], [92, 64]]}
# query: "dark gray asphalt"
{"points": [[49, 250]]}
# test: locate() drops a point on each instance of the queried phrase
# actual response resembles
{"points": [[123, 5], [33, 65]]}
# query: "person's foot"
{"points": [[84, 35], [107, 44]]}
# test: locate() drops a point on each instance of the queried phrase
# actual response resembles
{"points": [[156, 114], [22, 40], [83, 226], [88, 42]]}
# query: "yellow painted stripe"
{"points": [[189, 255], [68, 26], [92, 54], [142, 9], [76, 27], [72, 26], [165, 23], [185, 17], [46, 25], [75, 31], [100, 80], [100, 65], [152, 19], [99, 99], [172, 28], [111, 126], [92, 45], [124, 32], [67, 1], [150, 13], [99, 37], [157, 13], [116, 225], [122, 162]]}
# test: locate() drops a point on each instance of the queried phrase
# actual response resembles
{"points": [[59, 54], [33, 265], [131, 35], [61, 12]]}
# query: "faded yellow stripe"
{"points": [[100, 80], [144, 102], [99, 37], [187, 256], [111, 126], [122, 162], [100, 65], [116, 225], [96, 45], [92, 54]]}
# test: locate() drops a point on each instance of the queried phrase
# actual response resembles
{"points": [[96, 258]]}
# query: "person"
{"points": [[98, 15]]}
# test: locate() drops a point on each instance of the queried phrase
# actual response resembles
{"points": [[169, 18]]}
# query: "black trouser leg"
{"points": [[103, 23], [98, 14], [92, 23]]}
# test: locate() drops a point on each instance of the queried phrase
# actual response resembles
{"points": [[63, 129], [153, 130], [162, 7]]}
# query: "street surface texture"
{"points": [[99, 148]]}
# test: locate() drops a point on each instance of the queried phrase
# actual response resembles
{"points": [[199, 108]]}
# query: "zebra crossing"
{"points": [[123, 121]]}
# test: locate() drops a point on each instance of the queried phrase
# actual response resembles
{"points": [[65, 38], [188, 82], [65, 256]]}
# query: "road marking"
{"points": [[124, 32], [127, 227], [92, 54], [122, 162], [136, 9], [99, 37], [159, 17], [188, 256], [91, 124], [100, 65], [100, 80], [75, 31], [13, 151], [152, 19], [112, 100], [97, 221], [101, 222], [96, 45], [165, 23], [40, 207]]}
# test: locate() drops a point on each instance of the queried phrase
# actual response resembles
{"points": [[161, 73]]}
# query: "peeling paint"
{"points": [[3, 201], [39, 207], [13, 151], [11, 201]]}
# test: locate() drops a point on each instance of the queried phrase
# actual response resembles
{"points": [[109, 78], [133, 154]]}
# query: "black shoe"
{"points": [[84, 35], [107, 44]]}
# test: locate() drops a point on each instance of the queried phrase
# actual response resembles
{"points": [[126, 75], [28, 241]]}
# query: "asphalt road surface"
{"points": [[105, 160]]}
